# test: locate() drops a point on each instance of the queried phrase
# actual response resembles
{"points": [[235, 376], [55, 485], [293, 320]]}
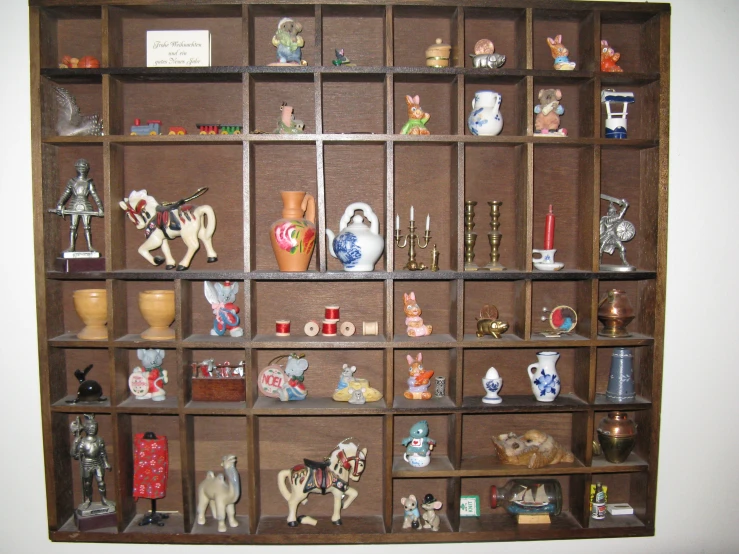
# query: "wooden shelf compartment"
{"points": [[479, 429], [214, 393], [179, 173], [495, 172], [267, 92], [354, 103], [69, 30], [578, 295], [573, 368], [438, 97], [435, 194], [321, 380], [359, 30], [642, 363], [410, 39], [284, 442], [262, 23], [356, 172], [578, 36], [88, 95], [443, 490], [577, 101], [198, 319], [267, 166], [65, 384], [506, 27], [509, 297], [563, 178], [641, 296], [58, 163], [630, 488], [443, 362], [635, 35], [497, 522], [128, 26], [513, 106], [212, 103], [630, 175]]}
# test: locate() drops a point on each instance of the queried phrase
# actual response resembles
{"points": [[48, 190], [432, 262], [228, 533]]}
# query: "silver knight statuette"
{"points": [[76, 192], [614, 231], [89, 449]]}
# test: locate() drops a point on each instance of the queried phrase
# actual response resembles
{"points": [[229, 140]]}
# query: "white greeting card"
{"points": [[178, 48]]}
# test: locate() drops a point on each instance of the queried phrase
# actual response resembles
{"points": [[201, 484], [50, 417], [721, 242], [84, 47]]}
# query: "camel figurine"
{"points": [[221, 492]]}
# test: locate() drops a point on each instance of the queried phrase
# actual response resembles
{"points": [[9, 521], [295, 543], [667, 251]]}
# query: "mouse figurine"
{"points": [[89, 390]]}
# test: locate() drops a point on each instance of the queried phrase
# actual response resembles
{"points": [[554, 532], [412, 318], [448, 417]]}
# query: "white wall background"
{"points": [[698, 483]]}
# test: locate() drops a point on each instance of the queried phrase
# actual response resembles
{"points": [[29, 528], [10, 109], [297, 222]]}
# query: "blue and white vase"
{"points": [[545, 383], [485, 117], [357, 246]]}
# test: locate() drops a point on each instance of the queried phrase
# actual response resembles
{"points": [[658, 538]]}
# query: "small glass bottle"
{"points": [[528, 496], [599, 503]]}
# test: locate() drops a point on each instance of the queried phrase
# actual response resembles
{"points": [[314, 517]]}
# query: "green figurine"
{"points": [[287, 124], [417, 118]]}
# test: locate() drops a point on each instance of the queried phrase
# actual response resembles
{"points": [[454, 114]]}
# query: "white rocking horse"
{"points": [[167, 221], [345, 463]]}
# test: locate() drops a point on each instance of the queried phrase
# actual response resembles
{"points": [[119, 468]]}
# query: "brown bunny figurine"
{"points": [[417, 118], [416, 328], [560, 53]]}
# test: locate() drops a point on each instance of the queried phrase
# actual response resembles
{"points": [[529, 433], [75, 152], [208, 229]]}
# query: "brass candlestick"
{"points": [[494, 236], [469, 236], [412, 240]]}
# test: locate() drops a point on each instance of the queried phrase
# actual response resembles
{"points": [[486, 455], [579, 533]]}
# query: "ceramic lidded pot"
{"points": [[157, 307], [357, 246], [294, 235], [485, 117], [438, 54], [617, 436], [615, 313], [92, 307]]}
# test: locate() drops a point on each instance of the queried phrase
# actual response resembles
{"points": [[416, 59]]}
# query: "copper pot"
{"points": [[617, 436], [615, 313]]}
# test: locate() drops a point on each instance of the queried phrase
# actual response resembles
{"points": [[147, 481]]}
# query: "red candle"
{"points": [[549, 230]]}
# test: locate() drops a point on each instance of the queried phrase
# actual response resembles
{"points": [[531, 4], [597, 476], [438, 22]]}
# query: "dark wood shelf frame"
{"points": [[352, 151]]}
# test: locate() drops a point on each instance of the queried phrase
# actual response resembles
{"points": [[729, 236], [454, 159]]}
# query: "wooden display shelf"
{"points": [[352, 151]]}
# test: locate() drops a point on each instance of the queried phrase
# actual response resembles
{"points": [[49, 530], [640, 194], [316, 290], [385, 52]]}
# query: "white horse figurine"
{"points": [[164, 222], [345, 463], [221, 492]]}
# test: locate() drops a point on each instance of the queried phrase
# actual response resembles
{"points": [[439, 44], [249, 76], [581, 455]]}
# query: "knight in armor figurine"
{"points": [[614, 231], [78, 189], [90, 451]]}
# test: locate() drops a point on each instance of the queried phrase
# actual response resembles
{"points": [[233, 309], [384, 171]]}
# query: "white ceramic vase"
{"points": [[485, 117], [545, 383]]}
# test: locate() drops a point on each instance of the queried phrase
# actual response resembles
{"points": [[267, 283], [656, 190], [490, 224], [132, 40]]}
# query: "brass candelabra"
{"points": [[494, 236], [470, 237], [412, 240]]}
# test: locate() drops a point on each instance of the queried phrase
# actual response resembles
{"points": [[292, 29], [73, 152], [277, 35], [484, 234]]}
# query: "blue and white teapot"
{"points": [[485, 117], [357, 246]]}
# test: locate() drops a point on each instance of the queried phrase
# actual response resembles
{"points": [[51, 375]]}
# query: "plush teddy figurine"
{"points": [[288, 42], [548, 111]]}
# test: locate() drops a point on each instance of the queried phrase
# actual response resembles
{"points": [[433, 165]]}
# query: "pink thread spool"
{"points": [[331, 314], [282, 327], [329, 328], [311, 328]]}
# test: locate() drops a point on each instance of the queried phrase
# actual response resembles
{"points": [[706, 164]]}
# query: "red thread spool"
{"points": [[329, 328], [282, 327], [331, 314]]}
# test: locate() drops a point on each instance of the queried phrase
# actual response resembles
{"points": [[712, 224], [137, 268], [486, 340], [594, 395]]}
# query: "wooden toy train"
{"points": [[154, 127]]}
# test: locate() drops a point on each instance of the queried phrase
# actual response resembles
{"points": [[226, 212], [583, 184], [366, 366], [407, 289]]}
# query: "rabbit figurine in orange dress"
{"points": [[414, 322], [608, 58], [417, 118]]}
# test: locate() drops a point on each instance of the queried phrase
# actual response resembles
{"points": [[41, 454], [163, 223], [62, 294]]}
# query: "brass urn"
{"points": [[617, 436]]}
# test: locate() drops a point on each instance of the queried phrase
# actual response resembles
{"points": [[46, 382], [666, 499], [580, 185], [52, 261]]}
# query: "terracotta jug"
{"points": [[157, 307], [92, 307], [294, 235]]}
